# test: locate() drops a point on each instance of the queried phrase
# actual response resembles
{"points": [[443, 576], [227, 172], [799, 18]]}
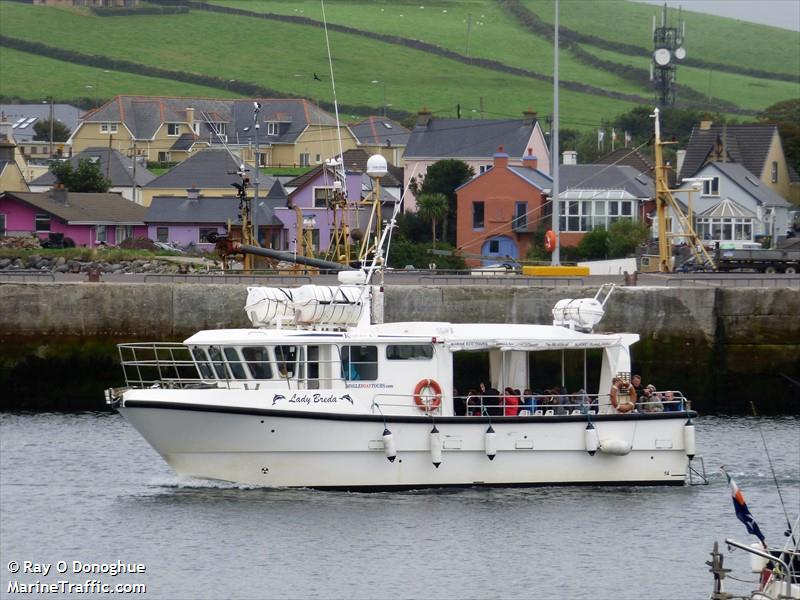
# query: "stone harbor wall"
{"points": [[724, 345], [35, 262]]}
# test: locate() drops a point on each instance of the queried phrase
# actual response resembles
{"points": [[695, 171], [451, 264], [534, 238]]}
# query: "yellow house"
{"points": [[755, 146], [11, 175], [290, 132]]}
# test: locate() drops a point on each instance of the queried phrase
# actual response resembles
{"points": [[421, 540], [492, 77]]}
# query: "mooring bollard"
{"points": [[93, 274]]}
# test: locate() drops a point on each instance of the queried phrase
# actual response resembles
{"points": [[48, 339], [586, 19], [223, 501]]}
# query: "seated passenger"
{"points": [[670, 404], [651, 402], [491, 401], [528, 400]]}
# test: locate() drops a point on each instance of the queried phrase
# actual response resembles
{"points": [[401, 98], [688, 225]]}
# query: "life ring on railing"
{"points": [[428, 404], [550, 240]]}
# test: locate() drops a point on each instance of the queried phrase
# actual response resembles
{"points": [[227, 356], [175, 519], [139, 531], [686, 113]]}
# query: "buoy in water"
{"points": [[490, 443], [590, 439], [688, 438], [388, 445], [436, 447]]}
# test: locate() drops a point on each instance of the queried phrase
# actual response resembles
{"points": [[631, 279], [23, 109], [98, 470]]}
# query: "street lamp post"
{"points": [[384, 94]]}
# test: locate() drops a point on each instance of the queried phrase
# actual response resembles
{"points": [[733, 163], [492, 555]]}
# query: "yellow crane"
{"points": [[665, 199]]}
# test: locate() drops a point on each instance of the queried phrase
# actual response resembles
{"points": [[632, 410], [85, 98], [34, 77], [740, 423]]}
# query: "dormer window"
{"points": [[272, 128], [711, 187], [173, 129], [108, 128]]}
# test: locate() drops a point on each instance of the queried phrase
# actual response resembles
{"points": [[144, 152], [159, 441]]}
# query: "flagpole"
{"points": [[556, 256]]}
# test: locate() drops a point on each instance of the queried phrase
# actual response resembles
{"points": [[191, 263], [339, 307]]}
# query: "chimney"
{"points": [[570, 157], [193, 193], [529, 160], [705, 124], [500, 158], [423, 117], [680, 156], [529, 117], [59, 194], [190, 117]]}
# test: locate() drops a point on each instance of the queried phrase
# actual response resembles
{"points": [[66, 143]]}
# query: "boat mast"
{"points": [[556, 256]]}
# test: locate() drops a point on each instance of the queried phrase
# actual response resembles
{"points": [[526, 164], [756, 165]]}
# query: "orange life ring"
{"points": [[426, 404], [550, 240]]}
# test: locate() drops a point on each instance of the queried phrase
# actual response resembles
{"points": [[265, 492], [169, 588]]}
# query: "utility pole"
{"points": [[51, 127], [254, 212]]}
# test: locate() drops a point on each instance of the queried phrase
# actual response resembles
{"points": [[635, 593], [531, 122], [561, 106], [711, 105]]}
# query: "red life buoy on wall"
{"points": [[428, 403], [550, 240]]}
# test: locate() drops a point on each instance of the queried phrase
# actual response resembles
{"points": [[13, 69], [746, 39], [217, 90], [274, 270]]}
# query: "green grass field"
{"points": [[66, 80], [284, 56]]}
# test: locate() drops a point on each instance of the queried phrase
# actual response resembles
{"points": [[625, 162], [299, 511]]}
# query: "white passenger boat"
{"points": [[320, 394]]}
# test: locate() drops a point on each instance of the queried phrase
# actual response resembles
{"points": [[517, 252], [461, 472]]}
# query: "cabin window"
{"points": [[409, 352], [312, 367], [202, 363], [218, 362], [257, 361], [235, 363], [359, 363], [286, 357]]}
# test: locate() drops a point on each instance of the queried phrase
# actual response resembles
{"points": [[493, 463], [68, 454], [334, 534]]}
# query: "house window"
{"points": [[162, 234], [262, 159], [108, 128], [218, 128], [42, 223], [318, 159], [477, 215], [483, 168], [520, 217], [711, 187], [173, 129], [586, 215], [304, 159], [164, 157], [272, 128], [2, 225], [725, 229], [100, 233], [315, 240], [322, 197], [122, 233], [774, 171], [204, 232], [494, 246]]}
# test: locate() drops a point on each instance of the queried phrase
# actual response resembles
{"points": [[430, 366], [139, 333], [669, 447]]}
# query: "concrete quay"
{"points": [[724, 346]]}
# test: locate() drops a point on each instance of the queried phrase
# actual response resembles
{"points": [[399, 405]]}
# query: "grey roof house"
{"points": [[127, 177], [23, 117], [473, 141]]}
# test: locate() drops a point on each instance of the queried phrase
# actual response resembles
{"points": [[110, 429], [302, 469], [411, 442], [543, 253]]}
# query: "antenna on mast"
{"points": [[668, 50]]}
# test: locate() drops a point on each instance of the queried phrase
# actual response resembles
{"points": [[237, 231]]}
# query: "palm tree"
{"points": [[432, 207]]}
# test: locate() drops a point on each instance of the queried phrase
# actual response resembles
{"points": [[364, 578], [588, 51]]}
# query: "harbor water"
{"points": [[85, 489]]}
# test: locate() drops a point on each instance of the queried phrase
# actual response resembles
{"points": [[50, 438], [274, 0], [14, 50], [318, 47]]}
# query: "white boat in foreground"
{"points": [[319, 395]]}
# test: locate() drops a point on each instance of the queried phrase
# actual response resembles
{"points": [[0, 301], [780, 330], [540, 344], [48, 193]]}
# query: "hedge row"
{"points": [[522, 13], [138, 11]]}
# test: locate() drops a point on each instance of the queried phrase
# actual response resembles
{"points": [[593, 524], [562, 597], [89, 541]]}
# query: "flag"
{"points": [[742, 512]]}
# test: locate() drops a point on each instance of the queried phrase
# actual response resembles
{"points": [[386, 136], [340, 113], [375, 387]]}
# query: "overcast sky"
{"points": [[778, 13]]}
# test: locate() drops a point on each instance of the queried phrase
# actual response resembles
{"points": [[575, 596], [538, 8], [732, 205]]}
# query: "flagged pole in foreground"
{"points": [[742, 512], [556, 256]]}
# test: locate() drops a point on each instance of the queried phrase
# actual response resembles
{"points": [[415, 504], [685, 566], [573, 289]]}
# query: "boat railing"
{"points": [[560, 404], [159, 364]]}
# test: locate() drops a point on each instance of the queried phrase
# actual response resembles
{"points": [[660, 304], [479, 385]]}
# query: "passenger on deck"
{"points": [[528, 401], [636, 384], [622, 395], [651, 402], [670, 404], [491, 401], [583, 401], [459, 404], [473, 404], [510, 403]]}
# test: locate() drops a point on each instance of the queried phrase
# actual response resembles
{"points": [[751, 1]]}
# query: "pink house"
{"points": [[87, 219]]}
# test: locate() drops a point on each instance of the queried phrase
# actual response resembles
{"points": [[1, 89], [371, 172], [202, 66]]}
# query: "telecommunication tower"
{"points": [[668, 50]]}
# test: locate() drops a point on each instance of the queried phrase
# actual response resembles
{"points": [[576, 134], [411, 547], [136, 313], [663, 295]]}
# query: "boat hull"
{"points": [[281, 448]]}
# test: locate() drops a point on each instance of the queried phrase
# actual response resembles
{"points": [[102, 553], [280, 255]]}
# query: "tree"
{"points": [[624, 236], [594, 245], [86, 178], [432, 207], [786, 115], [443, 177], [42, 131]]}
